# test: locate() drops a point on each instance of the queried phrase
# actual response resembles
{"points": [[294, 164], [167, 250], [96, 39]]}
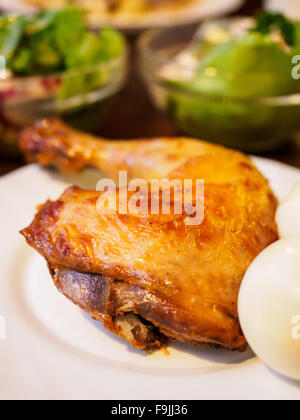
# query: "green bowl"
{"points": [[78, 97], [216, 108]]}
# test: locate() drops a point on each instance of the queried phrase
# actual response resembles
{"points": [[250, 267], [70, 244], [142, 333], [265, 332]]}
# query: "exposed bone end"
{"points": [[137, 333]]}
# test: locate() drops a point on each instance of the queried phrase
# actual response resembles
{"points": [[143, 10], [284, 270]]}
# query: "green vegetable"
{"points": [[251, 66], [111, 44], [223, 100], [267, 22], [85, 52], [67, 28], [250, 127], [296, 47], [90, 51], [55, 41], [60, 41], [22, 61], [41, 22], [46, 57], [248, 67], [80, 69], [11, 32], [51, 34]]}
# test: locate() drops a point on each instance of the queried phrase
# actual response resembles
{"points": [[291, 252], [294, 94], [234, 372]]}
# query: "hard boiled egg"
{"points": [[288, 214], [269, 304]]}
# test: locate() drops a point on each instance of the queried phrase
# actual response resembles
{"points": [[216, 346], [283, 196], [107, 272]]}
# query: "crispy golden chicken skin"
{"points": [[152, 278]]}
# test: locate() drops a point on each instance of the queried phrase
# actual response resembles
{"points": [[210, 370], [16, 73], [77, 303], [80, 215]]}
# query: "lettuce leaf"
{"points": [[267, 22], [11, 32]]}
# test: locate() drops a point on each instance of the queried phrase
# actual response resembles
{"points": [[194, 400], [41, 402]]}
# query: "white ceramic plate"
{"points": [[52, 350], [201, 9], [290, 8]]}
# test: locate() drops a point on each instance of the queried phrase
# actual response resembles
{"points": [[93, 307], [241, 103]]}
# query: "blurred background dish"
{"points": [[230, 82], [290, 8], [138, 117], [56, 67], [135, 14], [62, 95]]}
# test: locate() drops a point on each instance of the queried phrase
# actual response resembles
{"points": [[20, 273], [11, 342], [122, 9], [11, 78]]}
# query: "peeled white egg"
{"points": [[269, 307], [288, 214]]}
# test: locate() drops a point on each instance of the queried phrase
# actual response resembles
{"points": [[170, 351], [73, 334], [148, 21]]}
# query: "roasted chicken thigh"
{"points": [[153, 278]]}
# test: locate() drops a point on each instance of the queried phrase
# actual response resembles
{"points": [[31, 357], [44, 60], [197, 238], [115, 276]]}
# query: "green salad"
{"points": [[57, 67], [224, 99], [56, 42]]}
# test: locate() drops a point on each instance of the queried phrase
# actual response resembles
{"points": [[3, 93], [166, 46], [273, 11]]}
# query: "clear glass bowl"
{"points": [[252, 124], [79, 97]]}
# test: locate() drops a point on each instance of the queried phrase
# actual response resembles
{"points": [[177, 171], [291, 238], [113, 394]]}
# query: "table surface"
{"points": [[134, 116]]}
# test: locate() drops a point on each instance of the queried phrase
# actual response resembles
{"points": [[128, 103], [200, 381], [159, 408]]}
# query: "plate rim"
{"points": [[197, 379], [191, 15]]}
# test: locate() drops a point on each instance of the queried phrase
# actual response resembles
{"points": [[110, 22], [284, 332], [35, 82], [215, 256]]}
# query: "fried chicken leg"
{"points": [[152, 278]]}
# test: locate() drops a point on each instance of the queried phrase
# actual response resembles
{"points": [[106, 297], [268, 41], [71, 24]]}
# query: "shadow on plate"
{"points": [[288, 381], [217, 356]]}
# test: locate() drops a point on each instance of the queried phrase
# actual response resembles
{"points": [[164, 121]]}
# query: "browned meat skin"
{"points": [[52, 143], [187, 277], [123, 308], [112, 303]]}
